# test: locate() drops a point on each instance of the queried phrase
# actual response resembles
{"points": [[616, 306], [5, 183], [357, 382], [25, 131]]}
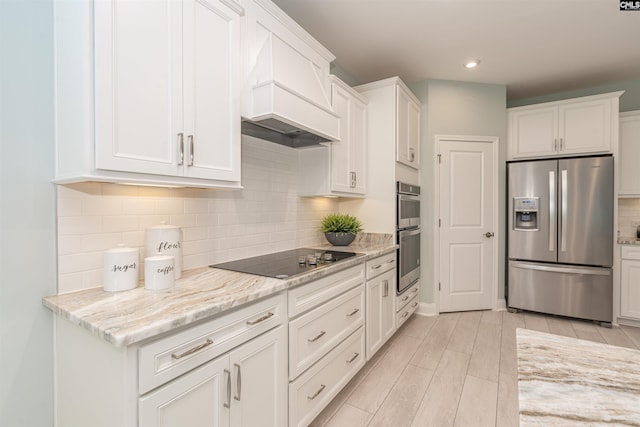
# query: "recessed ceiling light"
{"points": [[472, 64]]}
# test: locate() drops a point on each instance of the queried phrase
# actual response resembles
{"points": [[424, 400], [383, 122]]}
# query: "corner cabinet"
{"points": [[629, 154], [339, 168], [577, 126], [159, 106]]}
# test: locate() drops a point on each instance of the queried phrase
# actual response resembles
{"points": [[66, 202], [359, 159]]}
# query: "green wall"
{"points": [[27, 212], [457, 108], [629, 101]]}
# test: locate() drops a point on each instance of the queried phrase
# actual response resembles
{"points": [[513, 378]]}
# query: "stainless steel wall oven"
{"points": [[408, 234]]}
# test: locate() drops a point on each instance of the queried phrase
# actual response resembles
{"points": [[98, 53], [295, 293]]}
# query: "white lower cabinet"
{"points": [[381, 291], [245, 387], [630, 283], [407, 303], [326, 340]]}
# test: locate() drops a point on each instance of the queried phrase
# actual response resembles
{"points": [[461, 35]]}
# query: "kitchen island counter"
{"points": [[567, 381], [124, 318]]}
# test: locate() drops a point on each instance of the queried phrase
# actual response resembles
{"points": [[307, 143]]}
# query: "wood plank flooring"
{"points": [[456, 369]]}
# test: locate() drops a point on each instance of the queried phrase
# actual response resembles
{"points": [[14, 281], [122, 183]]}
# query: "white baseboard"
{"points": [[427, 309], [501, 305]]}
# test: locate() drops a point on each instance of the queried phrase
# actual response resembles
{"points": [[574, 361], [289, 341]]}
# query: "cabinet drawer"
{"points": [[402, 300], [315, 333], [312, 294], [380, 264], [310, 393], [631, 252], [166, 358], [407, 311]]}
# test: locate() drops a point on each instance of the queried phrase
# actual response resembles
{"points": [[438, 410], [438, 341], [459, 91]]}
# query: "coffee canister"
{"points": [[167, 240], [120, 269], [159, 272]]}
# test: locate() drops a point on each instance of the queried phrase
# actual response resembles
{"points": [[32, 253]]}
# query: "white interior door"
{"points": [[468, 189]]}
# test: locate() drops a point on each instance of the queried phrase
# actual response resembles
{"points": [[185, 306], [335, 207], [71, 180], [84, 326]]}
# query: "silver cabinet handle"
{"points": [[406, 313], [391, 261], [192, 350], [354, 357], [180, 149], [355, 310], [238, 395], [412, 154], [317, 337], [415, 304], [561, 144], [227, 404], [406, 297], [564, 206], [414, 290], [555, 144], [354, 179], [375, 267], [552, 211], [386, 288], [314, 395], [191, 154], [261, 319]]}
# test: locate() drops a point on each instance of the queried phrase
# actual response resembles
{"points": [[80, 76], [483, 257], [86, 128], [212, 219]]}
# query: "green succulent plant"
{"points": [[340, 223]]}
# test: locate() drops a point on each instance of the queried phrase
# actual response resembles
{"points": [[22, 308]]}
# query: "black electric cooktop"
{"points": [[282, 265]]}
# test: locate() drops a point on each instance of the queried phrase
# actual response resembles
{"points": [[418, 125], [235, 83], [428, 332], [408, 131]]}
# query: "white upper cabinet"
{"points": [[163, 97], [340, 168], [576, 126], [408, 128], [629, 154]]}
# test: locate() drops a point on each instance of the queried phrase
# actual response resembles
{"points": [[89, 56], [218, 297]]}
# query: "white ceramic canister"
{"points": [[159, 272], [121, 270], [167, 240]]}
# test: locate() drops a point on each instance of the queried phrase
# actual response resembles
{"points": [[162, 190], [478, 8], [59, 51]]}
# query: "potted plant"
{"points": [[340, 229]]}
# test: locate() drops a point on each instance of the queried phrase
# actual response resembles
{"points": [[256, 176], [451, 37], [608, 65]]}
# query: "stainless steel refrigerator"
{"points": [[560, 237]]}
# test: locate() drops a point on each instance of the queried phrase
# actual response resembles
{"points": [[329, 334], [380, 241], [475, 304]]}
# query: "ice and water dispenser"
{"points": [[525, 213]]}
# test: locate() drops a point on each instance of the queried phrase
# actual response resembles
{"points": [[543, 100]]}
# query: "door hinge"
{"points": [[439, 223], [439, 158], [439, 286]]}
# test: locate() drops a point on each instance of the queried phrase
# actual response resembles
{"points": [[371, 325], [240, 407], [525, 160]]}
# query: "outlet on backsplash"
{"points": [[628, 216]]}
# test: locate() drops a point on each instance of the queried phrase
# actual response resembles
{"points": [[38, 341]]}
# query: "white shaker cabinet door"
{"points": [[533, 132], [211, 83], [194, 399], [138, 85], [408, 129], [585, 127]]}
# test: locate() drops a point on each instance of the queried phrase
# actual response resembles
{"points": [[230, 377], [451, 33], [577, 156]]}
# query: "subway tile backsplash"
{"points": [[217, 225], [628, 216]]}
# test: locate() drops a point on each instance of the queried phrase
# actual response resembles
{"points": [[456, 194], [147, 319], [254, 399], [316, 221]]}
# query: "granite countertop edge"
{"points": [[129, 317]]}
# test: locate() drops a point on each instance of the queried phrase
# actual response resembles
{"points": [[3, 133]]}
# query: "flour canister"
{"points": [[121, 270], [167, 240], [159, 272]]}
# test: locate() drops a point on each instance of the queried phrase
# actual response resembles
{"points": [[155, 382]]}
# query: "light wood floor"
{"points": [[456, 369]]}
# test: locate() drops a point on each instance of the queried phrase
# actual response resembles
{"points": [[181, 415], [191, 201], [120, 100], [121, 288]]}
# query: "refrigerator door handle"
{"points": [[554, 269], [564, 207], [552, 211]]}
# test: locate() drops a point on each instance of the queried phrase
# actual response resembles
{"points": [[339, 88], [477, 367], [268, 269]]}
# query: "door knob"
{"points": [[488, 234]]}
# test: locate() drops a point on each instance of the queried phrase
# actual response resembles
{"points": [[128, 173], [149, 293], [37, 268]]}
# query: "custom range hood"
{"points": [[287, 100]]}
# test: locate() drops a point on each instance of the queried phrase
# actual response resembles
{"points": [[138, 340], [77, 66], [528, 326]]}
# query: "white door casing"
{"points": [[467, 232]]}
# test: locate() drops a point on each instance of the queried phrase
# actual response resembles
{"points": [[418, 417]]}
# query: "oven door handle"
{"points": [[408, 231]]}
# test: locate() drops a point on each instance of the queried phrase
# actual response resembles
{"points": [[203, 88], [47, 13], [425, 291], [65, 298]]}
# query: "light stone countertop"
{"points": [[570, 382], [628, 240], [128, 317]]}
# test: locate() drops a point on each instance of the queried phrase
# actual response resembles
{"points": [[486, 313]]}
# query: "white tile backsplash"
{"points": [[217, 225], [628, 216]]}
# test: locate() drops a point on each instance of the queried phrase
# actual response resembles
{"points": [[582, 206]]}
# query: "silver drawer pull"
{"points": [[391, 261], [415, 304], [238, 395], [406, 297], [317, 337], [406, 313], [355, 356], [322, 387], [262, 319], [227, 404], [376, 267], [193, 350], [414, 290], [353, 312]]}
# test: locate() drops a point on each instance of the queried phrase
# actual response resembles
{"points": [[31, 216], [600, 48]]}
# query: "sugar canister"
{"points": [[120, 269]]}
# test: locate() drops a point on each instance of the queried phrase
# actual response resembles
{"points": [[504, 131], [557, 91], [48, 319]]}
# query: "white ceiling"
{"points": [[534, 47]]}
